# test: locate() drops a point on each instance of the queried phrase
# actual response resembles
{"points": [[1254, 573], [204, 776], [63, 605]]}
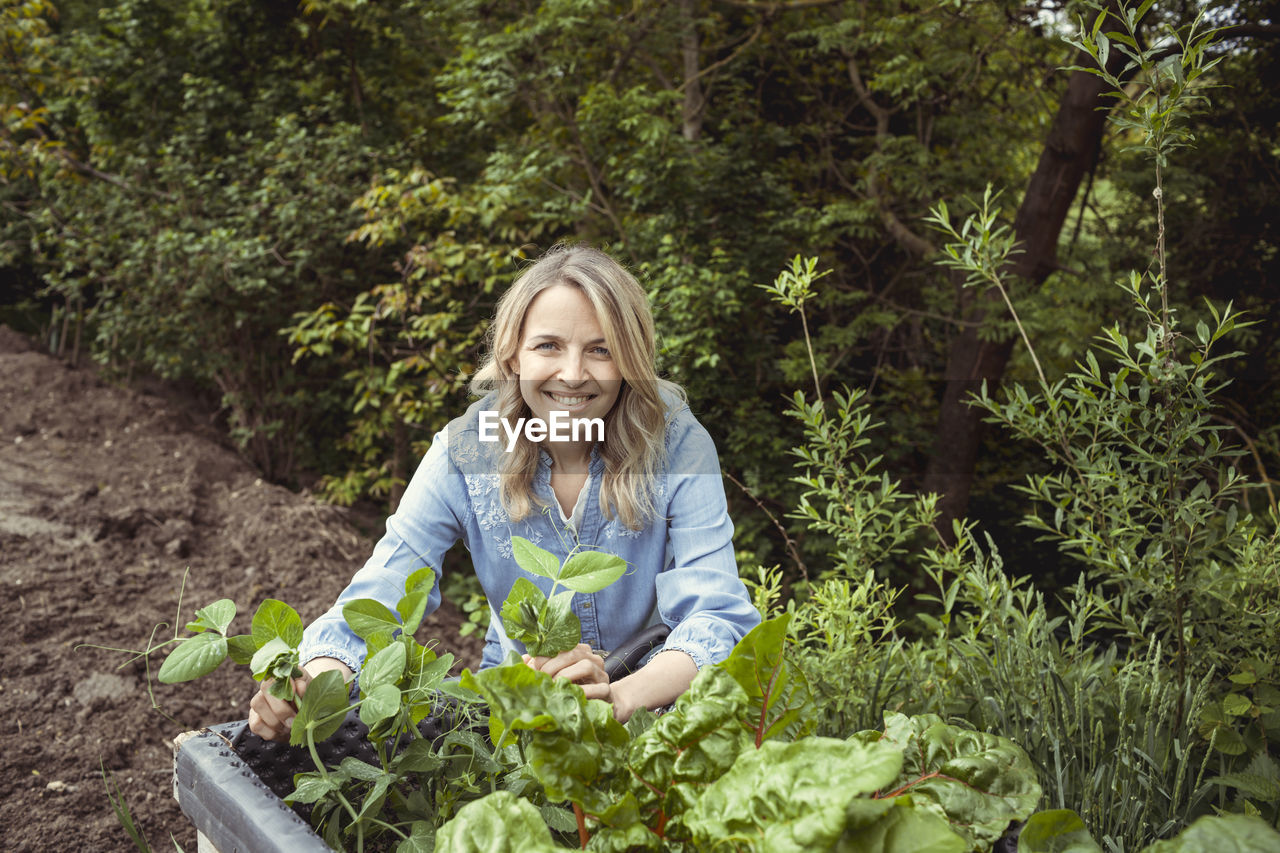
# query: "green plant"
{"points": [[733, 765], [545, 624]]}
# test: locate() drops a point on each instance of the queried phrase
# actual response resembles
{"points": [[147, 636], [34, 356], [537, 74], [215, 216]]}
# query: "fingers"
{"points": [[580, 665], [269, 717]]}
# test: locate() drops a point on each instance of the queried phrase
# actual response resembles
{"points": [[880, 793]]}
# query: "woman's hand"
{"points": [[580, 665], [271, 718]]}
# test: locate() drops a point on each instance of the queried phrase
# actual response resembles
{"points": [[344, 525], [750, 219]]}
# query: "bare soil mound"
{"points": [[107, 496]]}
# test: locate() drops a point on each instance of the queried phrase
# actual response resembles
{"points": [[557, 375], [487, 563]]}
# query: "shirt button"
{"points": [[587, 606]]}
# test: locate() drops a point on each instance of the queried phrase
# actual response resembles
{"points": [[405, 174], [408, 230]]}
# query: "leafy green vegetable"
{"points": [[214, 617], [790, 796], [981, 781], [778, 694], [1056, 831], [1234, 833], [499, 823]]}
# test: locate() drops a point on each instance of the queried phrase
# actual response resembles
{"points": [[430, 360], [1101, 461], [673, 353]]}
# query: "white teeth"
{"points": [[569, 401]]}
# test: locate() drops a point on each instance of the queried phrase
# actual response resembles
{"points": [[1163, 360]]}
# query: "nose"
{"points": [[573, 369]]}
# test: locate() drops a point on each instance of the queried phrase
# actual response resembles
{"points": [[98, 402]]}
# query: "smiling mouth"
{"points": [[570, 400]]}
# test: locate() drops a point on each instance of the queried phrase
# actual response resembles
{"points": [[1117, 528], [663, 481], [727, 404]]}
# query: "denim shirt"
{"points": [[681, 568]]}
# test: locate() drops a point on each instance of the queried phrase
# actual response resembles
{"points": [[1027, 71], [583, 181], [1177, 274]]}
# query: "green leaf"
{"points": [[214, 617], [418, 757], [422, 839], [591, 571], [369, 618], [1056, 831], [264, 659], [276, 619], [241, 648], [899, 825], [321, 709], [309, 787], [194, 657], [533, 559], [420, 580], [521, 611], [498, 823], [380, 703], [574, 745], [385, 667], [411, 609], [778, 693], [698, 740], [1221, 834], [1236, 705], [560, 630], [982, 781], [792, 796]]}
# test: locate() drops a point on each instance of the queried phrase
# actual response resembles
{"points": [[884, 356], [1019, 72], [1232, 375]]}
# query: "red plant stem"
{"points": [[662, 823], [583, 838], [893, 794]]}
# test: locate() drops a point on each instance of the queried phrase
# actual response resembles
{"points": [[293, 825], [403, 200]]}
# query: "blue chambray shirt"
{"points": [[681, 568]]}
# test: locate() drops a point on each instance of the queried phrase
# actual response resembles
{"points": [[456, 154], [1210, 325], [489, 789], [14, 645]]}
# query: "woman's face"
{"points": [[564, 362]]}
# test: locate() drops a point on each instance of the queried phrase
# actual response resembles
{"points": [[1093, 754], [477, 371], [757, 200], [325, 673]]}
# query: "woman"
{"points": [[572, 343]]}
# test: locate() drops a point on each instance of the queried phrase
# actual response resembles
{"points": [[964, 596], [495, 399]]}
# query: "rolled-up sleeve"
{"points": [[700, 595], [424, 526]]}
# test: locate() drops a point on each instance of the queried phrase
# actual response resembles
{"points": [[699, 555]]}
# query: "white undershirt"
{"points": [[574, 521]]}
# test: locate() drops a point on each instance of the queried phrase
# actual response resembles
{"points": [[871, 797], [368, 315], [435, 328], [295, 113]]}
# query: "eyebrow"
{"points": [[547, 336]]}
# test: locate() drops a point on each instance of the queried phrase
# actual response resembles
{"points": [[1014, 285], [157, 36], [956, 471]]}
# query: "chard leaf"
{"points": [[1233, 833], [899, 825], [214, 617], [981, 781], [535, 560], [790, 796], [369, 618], [591, 571], [194, 657], [778, 693], [321, 709], [1056, 831], [574, 745], [498, 823], [699, 740], [275, 619]]}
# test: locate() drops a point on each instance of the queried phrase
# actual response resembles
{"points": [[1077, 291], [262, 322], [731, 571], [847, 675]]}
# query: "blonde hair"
{"points": [[634, 447]]}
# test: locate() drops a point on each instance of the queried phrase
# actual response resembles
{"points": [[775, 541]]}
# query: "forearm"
{"points": [[660, 682]]}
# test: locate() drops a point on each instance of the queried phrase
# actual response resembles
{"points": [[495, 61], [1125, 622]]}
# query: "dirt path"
{"points": [[106, 496]]}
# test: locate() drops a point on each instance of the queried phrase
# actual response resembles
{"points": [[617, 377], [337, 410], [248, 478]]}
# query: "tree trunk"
{"points": [[1069, 152]]}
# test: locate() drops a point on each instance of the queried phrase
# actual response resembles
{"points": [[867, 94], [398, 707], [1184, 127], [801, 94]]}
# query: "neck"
{"points": [[570, 458]]}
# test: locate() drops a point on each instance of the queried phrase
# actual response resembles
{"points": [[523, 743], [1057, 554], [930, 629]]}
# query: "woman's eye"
{"points": [[601, 351], [545, 346]]}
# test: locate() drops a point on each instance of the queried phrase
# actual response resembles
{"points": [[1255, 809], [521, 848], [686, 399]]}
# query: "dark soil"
{"points": [[107, 496]]}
